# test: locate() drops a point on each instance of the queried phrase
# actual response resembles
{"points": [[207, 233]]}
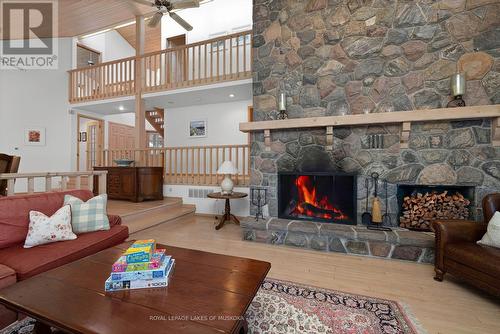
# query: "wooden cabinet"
{"points": [[135, 184]]}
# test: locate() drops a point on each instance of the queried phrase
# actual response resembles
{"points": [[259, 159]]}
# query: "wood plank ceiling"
{"points": [[79, 17], [153, 37]]}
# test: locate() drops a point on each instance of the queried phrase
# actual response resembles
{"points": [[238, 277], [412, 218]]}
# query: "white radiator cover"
{"points": [[197, 195]]}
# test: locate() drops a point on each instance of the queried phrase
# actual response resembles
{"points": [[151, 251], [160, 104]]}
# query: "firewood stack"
{"points": [[420, 210]]}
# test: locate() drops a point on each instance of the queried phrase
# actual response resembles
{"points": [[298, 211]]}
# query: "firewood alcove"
{"points": [[420, 205]]}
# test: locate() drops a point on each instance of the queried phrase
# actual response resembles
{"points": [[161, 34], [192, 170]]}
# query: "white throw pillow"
{"points": [[44, 230], [492, 235]]}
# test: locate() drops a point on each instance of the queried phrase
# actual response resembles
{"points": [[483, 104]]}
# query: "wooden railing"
{"points": [[194, 165], [106, 80], [150, 157], [211, 61], [43, 182], [215, 60]]}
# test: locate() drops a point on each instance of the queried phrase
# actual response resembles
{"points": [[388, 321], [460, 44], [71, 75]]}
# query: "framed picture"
{"points": [[34, 136], [197, 129]]}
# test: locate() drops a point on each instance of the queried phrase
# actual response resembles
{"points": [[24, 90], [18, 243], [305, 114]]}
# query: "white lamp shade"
{"points": [[227, 167]]}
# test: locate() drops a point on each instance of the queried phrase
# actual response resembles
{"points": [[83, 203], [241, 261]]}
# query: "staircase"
{"points": [[156, 118]]}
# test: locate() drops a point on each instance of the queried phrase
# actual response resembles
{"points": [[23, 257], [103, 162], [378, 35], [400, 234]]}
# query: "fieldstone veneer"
{"points": [[377, 56], [399, 244]]}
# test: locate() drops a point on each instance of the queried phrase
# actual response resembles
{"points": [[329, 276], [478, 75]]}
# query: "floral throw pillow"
{"points": [[88, 216], [44, 230]]}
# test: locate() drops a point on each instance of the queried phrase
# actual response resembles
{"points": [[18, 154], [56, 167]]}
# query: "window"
{"points": [[86, 56], [155, 140]]}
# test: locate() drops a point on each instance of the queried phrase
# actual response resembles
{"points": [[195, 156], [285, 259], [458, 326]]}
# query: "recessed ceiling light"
{"points": [[231, 95], [121, 108]]}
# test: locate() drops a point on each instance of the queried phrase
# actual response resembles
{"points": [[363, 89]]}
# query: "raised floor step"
{"points": [[140, 216]]}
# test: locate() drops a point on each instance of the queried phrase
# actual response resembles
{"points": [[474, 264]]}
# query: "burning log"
{"points": [[319, 212], [310, 204], [420, 210]]}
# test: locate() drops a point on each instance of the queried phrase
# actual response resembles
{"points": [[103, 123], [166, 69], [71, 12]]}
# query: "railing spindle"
{"points": [[48, 183], [244, 53], [31, 185], [237, 55]]}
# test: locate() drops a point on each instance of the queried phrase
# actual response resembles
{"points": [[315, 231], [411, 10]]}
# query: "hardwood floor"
{"points": [[446, 307]]}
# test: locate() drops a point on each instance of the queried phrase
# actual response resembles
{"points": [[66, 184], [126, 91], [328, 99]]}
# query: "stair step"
{"points": [[148, 218], [137, 213], [147, 234]]}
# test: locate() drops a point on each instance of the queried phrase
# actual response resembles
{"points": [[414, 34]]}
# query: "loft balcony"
{"points": [[212, 61]]}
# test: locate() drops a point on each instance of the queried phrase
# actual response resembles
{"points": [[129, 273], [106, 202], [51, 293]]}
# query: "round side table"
{"points": [[227, 211]]}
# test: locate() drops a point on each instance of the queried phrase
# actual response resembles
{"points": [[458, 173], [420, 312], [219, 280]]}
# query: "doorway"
{"points": [[178, 59], [90, 142]]}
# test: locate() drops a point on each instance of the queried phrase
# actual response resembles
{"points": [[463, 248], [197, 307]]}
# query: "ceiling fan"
{"points": [[165, 7]]}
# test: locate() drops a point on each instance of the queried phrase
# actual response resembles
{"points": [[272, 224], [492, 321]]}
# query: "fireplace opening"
{"points": [[317, 196], [419, 205]]}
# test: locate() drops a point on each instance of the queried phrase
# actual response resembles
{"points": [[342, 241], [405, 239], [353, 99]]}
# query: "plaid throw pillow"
{"points": [[88, 216]]}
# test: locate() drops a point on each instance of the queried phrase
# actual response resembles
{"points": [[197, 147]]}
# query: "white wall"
{"points": [[117, 47], [126, 119], [240, 207], [218, 16], [37, 98], [111, 45], [223, 121], [96, 42]]}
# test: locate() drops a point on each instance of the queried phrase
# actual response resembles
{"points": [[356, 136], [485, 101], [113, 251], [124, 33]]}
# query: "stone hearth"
{"points": [[398, 244]]}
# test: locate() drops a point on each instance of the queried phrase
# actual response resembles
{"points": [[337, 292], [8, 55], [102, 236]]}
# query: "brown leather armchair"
{"points": [[458, 253]]}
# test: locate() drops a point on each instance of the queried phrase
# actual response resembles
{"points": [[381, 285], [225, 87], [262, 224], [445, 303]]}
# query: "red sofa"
{"points": [[18, 263]]}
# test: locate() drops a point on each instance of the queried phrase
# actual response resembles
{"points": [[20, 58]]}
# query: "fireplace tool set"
{"points": [[259, 199], [375, 219]]}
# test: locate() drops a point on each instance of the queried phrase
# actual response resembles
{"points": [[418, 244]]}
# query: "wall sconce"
{"points": [[282, 104], [82, 137], [457, 90]]}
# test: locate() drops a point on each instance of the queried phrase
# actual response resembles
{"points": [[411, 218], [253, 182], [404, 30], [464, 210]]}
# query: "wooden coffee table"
{"points": [[208, 293]]}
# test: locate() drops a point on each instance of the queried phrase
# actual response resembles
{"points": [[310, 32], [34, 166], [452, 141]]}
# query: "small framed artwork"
{"points": [[197, 129], [34, 136]]}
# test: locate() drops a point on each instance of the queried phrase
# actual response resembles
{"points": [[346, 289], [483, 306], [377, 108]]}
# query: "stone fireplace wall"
{"points": [[376, 56]]}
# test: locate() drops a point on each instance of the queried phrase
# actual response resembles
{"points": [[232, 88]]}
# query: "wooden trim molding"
{"points": [[403, 117], [405, 134], [443, 114], [88, 48], [495, 132]]}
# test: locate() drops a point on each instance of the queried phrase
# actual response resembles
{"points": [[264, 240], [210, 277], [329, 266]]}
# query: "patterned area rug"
{"points": [[283, 307]]}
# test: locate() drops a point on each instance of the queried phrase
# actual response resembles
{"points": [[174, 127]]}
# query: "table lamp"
{"points": [[227, 169]]}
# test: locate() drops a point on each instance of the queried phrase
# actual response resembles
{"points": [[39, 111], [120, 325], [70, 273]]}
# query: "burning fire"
{"points": [[309, 205]]}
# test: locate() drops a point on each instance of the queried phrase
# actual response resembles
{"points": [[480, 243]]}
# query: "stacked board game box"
{"points": [[141, 266]]}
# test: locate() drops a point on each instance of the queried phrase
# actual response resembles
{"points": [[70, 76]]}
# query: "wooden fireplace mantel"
{"points": [[405, 118]]}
